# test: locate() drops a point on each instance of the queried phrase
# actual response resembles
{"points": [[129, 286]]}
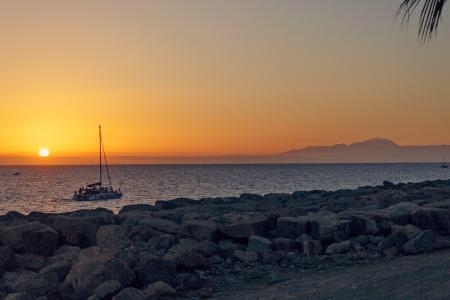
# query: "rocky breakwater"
{"points": [[189, 248]]}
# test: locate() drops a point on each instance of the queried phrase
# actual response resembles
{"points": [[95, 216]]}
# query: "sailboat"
{"points": [[98, 191]]}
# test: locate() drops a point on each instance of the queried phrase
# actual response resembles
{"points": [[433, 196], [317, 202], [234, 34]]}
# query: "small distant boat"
{"points": [[16, 174], [444, 166], [98, 191]]}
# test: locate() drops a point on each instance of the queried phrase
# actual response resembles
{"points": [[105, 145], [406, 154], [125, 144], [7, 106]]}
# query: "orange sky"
{"points": [[207, 77]]}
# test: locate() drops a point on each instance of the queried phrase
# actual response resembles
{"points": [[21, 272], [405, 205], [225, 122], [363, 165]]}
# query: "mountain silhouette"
{"points": [[375, 150]]}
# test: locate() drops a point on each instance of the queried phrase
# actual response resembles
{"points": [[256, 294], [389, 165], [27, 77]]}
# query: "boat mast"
{"points": [[100, 152]]}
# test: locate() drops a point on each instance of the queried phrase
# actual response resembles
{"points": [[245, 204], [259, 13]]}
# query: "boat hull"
{"points": [[97, 196]]}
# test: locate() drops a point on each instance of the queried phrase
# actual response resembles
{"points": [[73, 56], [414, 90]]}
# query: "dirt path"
{"points": [[413, 277]]}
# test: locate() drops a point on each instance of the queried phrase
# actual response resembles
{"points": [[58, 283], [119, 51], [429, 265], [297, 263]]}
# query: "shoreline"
{"points": [[200, 248]]}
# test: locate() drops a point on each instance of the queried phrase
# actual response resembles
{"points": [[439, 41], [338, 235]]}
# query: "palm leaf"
{"points": [[430, 15]]}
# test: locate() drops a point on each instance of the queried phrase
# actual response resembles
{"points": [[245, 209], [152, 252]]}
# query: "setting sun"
{"points": [[44, 152]]}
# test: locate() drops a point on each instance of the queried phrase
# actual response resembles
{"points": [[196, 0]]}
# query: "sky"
{"points": [[212, 78]]}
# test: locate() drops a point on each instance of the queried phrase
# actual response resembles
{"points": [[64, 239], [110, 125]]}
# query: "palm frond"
{"points": [[430, 16]]}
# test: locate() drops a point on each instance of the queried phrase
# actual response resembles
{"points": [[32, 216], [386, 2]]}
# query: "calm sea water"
{"points": [[50, 188]]}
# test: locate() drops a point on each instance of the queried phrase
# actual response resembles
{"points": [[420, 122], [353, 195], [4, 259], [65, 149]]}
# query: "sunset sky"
{"points": [[207, 77]]}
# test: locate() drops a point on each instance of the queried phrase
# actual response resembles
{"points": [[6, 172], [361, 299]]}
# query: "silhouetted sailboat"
{"points": [[97, 191]]}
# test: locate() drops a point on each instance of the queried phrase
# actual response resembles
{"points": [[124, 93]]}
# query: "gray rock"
{"points": [[283, 244], [330, 229], [32, 262], [227, 247], [157, 224], [7, 259], [191, 281], [269, 257], [400, 213], [216, 260], [298, 242], [198, 230], [422, 243], [313, 247], [154, 269], [60, 268], [362, 225], [292, 228], [20, 296], [390, 252], [94, 266], [186, 258], [137, 207], [339, 248], [259, 244], [163, 289], [436, 219], [65, 249], [107, 289], [409, 230], [80, 231], [396, 239], [245, 256], [31, 237], [25, 282], [161, 242], [441, 242], [112, 237], [207, 248], [130, 294], [243, 226]]}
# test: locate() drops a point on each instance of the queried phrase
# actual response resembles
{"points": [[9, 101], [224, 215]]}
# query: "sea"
{"points": [[50, 188]]}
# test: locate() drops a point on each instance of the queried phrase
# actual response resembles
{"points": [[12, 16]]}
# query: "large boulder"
{"points": [[32, 237], [138, 208], [7, 259], [339, 248], [153, 269], [198, 230], [362, 225], [436, 219], [175, 203], [290, 227], [32, 262], [161, 242], [80, 231], [25, 282], [400, 213], [149, 226], [243, 226], [106, 290], [112, 237], [409, 230], [330, 229], [61, 269], [422, 243], [283, 244], [163, 289], [395, 240], [186, 257], [259, 244], [94, 266], [130, 294]]}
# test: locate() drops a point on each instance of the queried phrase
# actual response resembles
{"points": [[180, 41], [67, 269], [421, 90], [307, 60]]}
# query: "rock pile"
{"points": [[171, 249]]}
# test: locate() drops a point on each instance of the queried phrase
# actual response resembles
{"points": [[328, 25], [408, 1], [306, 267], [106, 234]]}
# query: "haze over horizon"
{"points": [[214, 78], [374, 150]]}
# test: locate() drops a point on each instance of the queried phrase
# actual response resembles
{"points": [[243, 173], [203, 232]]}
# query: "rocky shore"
{"points": [[205, 248]]}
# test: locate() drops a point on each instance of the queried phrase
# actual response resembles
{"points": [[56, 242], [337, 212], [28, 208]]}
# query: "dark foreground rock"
{"points": [[186, 248]]}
